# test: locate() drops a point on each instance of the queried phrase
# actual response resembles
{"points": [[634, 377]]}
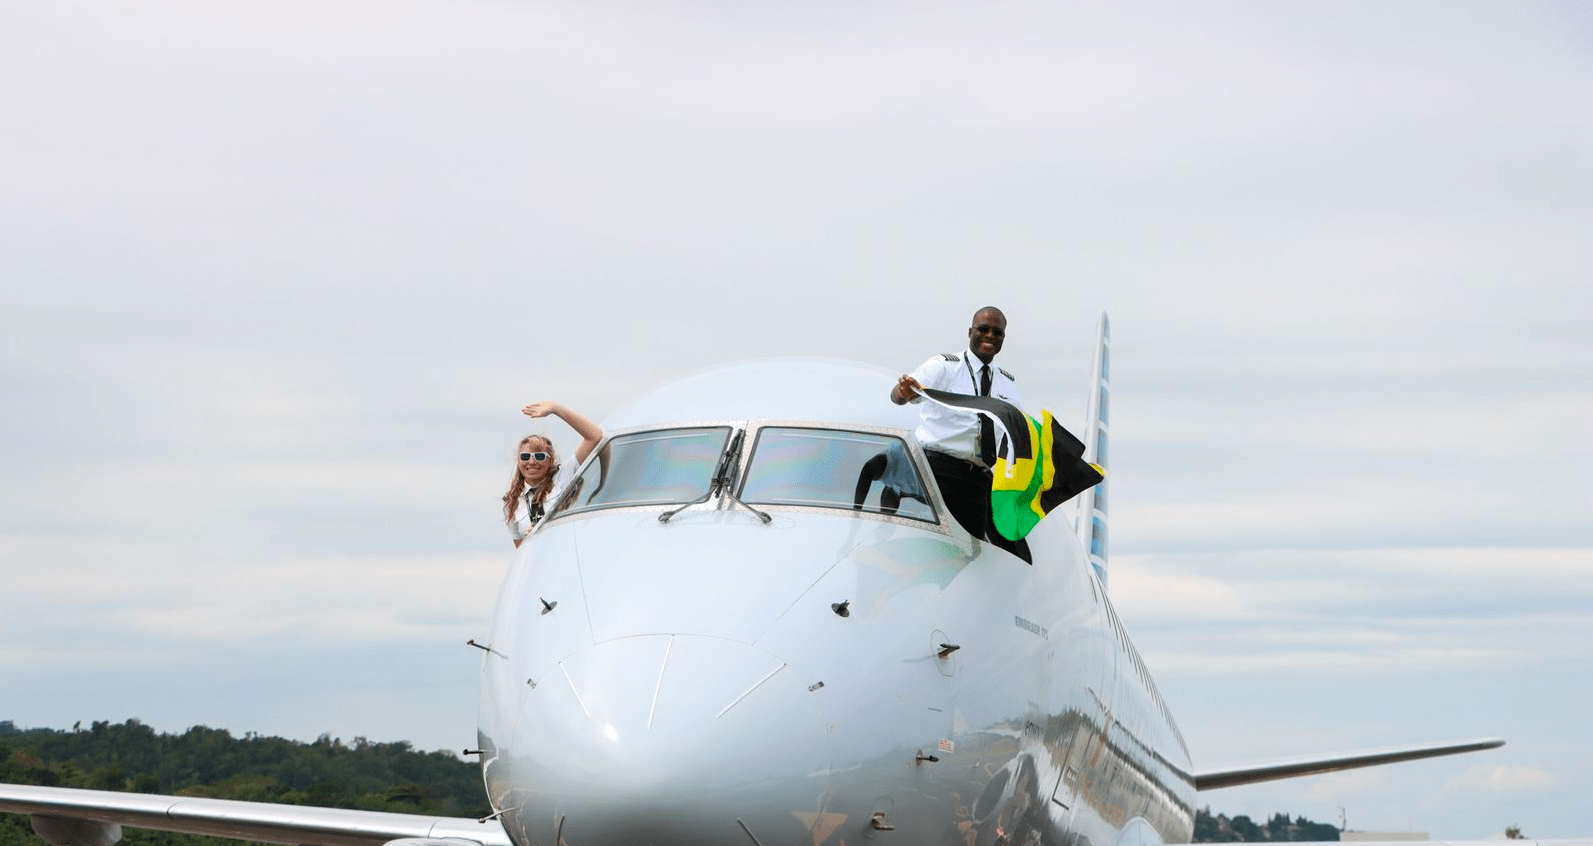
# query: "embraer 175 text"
{"points": [[728, 632]]}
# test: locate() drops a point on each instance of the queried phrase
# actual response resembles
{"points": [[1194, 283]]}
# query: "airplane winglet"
{"points": [[1212, 778]]}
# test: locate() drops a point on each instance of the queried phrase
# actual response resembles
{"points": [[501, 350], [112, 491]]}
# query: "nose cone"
{"points": [[668, 739]]}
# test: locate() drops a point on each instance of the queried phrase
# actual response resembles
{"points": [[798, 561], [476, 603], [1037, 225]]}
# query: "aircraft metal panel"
{"points": [[722, 574], [646, 722], [527, 637]]}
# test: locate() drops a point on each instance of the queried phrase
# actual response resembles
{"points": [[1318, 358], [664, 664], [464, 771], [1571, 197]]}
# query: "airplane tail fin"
{"points": [[1092, 503]]}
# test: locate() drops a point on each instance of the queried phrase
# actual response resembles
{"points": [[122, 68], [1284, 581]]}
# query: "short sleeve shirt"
{"points": [[950, 430], [523, 521]]}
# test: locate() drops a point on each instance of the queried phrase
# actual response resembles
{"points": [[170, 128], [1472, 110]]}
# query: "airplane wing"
{"points": [[1211, 778], [1499, 842], [70, 817]]}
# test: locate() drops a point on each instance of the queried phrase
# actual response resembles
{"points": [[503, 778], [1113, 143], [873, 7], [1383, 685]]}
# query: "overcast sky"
{"points": [[276, 276]]}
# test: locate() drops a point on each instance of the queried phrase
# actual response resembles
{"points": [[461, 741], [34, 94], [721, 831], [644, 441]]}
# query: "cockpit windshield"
{"points": [[669, 466], [832, 468]]}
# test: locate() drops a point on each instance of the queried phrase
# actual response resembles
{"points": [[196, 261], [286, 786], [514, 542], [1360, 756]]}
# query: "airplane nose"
{"points": [[669, 739]]}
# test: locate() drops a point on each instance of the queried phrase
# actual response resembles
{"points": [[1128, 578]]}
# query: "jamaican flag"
{"points": [[1025, 488], [1040, 466]]}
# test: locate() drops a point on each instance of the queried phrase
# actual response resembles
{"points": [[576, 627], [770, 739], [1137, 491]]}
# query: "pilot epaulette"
{"points": [[1010, 377], [949, 356]]}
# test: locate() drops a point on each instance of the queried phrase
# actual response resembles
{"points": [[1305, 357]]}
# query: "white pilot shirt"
{"points": [[522, 524], [950, 430]]}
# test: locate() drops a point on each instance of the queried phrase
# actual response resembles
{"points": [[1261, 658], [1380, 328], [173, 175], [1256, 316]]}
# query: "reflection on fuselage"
{"points": [[845, 672]]}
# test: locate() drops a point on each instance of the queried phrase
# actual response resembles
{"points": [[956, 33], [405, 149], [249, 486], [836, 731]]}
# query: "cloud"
{"points": [[282, 276], [1322, 583], [124, 613], [1504, 778], [1161, 595], [1336, 786], [1352, 613], [1341, 661]]}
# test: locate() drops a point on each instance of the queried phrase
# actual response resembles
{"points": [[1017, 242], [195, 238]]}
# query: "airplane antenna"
{"points": [[1092, 503]]}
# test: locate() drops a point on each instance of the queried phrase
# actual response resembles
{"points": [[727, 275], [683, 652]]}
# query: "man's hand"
{"points": [[906, 388]]}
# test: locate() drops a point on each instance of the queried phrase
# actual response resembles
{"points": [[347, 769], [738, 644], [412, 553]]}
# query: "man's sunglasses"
{"points": [[527, 456]]}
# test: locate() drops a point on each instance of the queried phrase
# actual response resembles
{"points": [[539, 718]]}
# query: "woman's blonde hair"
{"points": [[511, 500]]}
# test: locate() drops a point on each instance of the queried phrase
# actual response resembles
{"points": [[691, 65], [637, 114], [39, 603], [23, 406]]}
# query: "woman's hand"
{"points": [[590, 432]]}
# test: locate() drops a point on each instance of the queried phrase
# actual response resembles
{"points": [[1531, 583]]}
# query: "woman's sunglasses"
{"points": [[539, 456]]}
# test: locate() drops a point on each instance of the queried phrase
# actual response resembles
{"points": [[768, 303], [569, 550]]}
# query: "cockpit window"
{"points": [[648, 468], [831, 468]]}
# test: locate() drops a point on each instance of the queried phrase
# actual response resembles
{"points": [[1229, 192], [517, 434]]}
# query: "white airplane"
{"points": [[730, 630]]}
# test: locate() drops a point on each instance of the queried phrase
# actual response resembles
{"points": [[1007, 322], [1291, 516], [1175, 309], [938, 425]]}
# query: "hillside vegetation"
{"points": [[1242, 829], [211, 762], [394, 777]]}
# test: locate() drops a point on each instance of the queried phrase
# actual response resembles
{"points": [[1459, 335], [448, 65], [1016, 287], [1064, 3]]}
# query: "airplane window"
{"points": [[648, 468], [828, 468]]}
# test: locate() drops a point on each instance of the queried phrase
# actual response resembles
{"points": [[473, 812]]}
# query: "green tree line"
{"points": [[394, 777], [211, 762], [1219, 828]]}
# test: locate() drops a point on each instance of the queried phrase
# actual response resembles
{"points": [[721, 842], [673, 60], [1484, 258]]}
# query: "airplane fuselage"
{"points": [[851, 669]]}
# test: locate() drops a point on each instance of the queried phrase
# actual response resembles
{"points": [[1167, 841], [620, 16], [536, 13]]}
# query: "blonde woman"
{"points": [[538, 474]]}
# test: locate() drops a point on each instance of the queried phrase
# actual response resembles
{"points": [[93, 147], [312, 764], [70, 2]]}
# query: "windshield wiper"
{"points": [[728, 484], [720, 478], [722, 482]]}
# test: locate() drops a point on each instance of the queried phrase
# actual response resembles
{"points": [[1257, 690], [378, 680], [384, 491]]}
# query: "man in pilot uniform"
{"points": [[961, 445]]}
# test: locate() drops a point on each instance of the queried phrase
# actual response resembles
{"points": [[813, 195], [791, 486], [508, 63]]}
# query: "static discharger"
{"points": [[485, 648]]}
